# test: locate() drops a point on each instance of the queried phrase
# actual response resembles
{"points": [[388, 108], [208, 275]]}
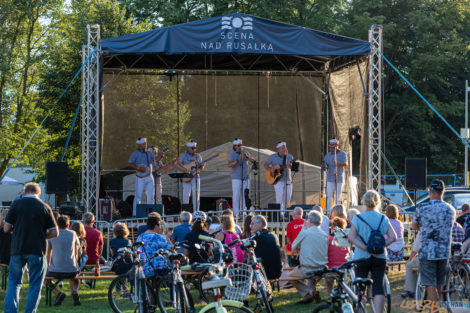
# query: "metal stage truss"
{"points": [[91, 115], [90, 119], [375, 108]]}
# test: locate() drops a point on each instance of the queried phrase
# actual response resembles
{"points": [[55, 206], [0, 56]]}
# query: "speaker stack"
{"points": [[416, 171], [56, 177]]}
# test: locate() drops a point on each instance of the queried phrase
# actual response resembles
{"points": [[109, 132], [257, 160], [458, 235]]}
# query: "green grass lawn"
{"points": [[95, 300]]}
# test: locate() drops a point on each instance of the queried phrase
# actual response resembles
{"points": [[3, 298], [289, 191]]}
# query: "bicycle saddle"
{"points": [[176, 256], [362, 281], [248, 244]]}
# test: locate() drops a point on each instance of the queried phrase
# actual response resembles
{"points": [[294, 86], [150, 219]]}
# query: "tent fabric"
{"points": [[235, 33], [216, 180]]}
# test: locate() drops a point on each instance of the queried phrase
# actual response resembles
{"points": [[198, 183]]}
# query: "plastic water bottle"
{"points": [[347, 308]]}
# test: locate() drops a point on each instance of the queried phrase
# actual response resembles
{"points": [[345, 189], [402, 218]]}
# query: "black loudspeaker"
{"points": [[274, 216], [305, 207], [142, 210], [56, 177], [188, 207], [416, 170]]}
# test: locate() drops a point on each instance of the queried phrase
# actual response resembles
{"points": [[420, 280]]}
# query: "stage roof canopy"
{"points": [[233, 42]]}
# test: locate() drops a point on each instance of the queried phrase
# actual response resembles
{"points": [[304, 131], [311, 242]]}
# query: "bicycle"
{"points": [[341, 290], [457, 283], [172, 294], [131, 291], [216, 280]]}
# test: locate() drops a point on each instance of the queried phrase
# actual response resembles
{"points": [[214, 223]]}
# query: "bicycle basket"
{"points": [[241, 275]]}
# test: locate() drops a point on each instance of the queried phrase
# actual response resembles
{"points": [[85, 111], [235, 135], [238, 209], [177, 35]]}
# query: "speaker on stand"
{"points": [[416, 172]]}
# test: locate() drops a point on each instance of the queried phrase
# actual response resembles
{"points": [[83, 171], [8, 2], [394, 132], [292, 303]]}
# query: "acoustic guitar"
{"points": [[278, 170], [195, 168], [272, 178], [164, 168], [148, 167]]}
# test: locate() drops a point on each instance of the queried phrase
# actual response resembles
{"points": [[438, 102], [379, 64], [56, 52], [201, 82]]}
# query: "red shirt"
{"points": [[94, 240], [336, 255], [293, 229]]}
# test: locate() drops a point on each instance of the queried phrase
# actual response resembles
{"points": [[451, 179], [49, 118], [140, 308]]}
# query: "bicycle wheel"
{"points": [[420, 294], [183, 302], [121, 294], [265, 298], [457, 283], [326, 307], [232, 309], [206, 294]]}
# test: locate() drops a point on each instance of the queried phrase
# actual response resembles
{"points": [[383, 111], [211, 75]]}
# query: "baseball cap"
{"points": [[437, 184]]}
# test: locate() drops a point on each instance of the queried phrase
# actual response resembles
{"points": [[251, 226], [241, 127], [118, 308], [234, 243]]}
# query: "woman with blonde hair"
{"points": [[338, 211], [228, 235], [79, 229], [363, 225], [396, 251]]}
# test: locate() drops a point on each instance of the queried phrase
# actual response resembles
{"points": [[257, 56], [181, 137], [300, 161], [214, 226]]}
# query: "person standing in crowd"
{"points": [[214, 224], [192, 187], [363, 225], [94, 240], [79, 229], [338, 211], [267, 247], [238, 162], [230, 212], [198, 228], [396, 251], [311, 257], [351, 214], [465, 213], [434, 220], [32, 222], [153, 241], [283, 186], [412, 265], [121, 232], [142, 161], [5, 241], [335, 161], [62, 256]]}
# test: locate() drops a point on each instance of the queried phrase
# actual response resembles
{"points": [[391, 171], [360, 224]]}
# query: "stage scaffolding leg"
{"points": [[90, 121], [375, 109]]}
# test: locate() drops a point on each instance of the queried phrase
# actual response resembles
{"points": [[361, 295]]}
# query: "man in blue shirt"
{"points": [[283, 187], [180, 231], [238, 162], [142, 161], [334, 161], [193, 186]]}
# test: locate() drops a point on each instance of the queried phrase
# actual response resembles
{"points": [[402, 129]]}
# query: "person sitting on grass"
{"points": [[153, 241], [62, 259], [121, 232]]}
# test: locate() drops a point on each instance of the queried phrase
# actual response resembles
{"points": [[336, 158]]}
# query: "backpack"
{"points": [[376, 242]]}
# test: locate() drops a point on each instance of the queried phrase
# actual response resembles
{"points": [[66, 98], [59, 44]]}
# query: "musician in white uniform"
{"points": [[194, 186], [334, 161], [283, 187], [238, 162], [142, 161]]}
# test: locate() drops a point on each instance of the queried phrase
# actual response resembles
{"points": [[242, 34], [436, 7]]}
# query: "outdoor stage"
{"points": [[234, 76]]}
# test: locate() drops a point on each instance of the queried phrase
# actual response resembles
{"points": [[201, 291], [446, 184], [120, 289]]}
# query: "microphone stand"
{"points": [[336, 180], [285, 172], [242, 191]]}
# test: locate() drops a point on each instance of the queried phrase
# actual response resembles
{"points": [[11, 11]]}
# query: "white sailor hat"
{"points": [[237, 141], [333, 142], [191, 144], [141, 141], [280, 144]]}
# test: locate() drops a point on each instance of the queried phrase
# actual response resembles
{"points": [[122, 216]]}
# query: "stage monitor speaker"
{"points": [[416, 170], [143, 210], [273, 216], [56, 177]]}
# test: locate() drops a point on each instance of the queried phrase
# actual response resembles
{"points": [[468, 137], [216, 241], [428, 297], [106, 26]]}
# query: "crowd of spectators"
{"points": [[52, 246]]}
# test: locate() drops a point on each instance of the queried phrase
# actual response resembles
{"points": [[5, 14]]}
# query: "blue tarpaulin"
{"points": [[226, 41]]}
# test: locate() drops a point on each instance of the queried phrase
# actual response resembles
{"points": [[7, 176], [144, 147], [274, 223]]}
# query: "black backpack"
{"points": [[376, 242]]}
